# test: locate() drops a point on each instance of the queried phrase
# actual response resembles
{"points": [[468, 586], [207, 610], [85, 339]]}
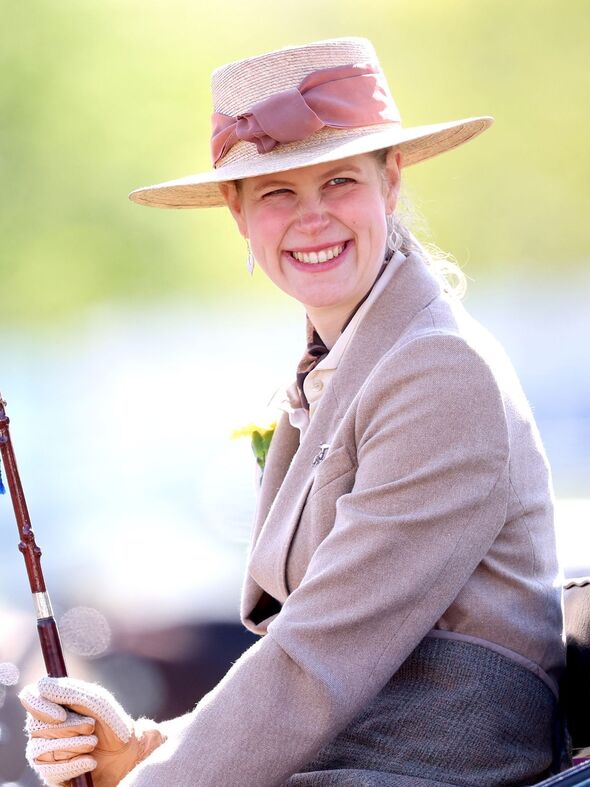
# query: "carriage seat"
{"points": [[576, 688]]}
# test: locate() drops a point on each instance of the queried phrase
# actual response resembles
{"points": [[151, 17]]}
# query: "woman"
{"points": [[402, 564]]}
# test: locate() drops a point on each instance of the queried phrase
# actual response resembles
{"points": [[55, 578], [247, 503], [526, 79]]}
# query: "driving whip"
{"points": [[46, 625]]}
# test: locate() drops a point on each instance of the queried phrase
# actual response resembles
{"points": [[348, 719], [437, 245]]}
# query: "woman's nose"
{"points": [[312, 218]]}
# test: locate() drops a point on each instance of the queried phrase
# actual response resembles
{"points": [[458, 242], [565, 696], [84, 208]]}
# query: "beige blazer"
{"points": [[418, 503]]}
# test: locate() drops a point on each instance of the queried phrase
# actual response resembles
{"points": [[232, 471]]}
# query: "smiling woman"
{"points": [[319, 233], [402, 568]]}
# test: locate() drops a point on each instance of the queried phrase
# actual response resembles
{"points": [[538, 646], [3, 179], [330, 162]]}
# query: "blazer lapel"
{"points": [[269, 553], [283, 446]]}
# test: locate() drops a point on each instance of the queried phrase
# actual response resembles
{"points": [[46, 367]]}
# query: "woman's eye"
{"points": [[276, 192], [339, 181]]}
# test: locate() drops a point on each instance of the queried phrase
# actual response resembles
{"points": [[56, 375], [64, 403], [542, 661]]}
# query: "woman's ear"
{"points": [[392, 178], [232, 198]]}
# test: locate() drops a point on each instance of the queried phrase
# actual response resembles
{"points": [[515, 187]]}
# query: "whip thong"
{"points": [[46, 625]]}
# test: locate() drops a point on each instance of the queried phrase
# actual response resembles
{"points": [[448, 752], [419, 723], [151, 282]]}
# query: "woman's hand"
{"points": [[91, 733]]}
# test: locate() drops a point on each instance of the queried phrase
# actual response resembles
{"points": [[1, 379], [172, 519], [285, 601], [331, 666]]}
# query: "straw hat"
{"points": [[300, 106]]}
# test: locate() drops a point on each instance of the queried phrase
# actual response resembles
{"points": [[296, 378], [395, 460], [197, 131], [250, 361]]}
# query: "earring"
{"points": [[394, 238], [250, 261]]}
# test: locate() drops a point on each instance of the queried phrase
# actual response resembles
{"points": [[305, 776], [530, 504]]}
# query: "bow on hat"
{"points": [[340, 97]]}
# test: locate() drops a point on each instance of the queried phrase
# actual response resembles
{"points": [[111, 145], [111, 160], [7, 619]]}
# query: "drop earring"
{"points": [[394, 238], [250, 261]]}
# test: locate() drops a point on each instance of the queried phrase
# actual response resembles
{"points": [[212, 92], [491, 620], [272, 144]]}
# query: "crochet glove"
{"points": [[93, 733]]}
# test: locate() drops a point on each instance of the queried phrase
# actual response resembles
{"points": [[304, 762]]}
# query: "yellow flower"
{"points": [[260, 437]]}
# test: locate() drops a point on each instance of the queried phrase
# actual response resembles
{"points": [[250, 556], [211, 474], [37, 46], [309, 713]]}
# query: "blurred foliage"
{"points": [[100, 96]]}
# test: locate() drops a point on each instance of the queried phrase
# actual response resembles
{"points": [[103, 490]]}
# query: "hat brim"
{"points": [[415, 144]]}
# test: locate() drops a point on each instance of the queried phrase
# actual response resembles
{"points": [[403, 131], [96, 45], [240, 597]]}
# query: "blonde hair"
{"points": [[443, 265]]}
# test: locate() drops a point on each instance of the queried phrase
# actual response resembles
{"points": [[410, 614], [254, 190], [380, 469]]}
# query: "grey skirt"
{"points": [[455, 713]]}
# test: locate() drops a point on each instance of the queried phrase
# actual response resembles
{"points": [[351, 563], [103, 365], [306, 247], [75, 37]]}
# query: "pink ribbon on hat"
{"points": [[339, 97]]}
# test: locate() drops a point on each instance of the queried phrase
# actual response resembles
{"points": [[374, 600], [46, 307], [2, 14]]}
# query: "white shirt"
{"points": [[316, 381]]}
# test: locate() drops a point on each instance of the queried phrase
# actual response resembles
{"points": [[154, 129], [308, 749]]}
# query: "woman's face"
{"points": [[319, 232]]}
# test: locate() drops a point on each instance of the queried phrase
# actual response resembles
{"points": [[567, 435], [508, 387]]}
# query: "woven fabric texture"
{"points": [[454, 714]]}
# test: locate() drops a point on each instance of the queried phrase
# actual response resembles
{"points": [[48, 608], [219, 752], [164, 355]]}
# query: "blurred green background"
{"points": [[100, 96]]}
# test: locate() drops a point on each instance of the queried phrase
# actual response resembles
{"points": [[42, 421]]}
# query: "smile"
{"points": [[315, 257]]}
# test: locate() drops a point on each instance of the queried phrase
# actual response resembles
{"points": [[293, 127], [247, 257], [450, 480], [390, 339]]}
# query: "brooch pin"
{"points": [[324, 447]]}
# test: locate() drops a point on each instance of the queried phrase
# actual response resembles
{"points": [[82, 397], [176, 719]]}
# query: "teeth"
{"points": [[318, 256]]}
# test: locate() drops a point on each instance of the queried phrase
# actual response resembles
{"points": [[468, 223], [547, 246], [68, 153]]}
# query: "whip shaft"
{"points": [[46, 625]]}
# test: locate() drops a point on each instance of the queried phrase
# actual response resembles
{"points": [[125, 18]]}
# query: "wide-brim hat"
{"points": [[300, 106]]}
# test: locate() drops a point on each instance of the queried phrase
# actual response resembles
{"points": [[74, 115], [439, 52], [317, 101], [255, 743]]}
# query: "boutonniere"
{"points": [[260, 436]]}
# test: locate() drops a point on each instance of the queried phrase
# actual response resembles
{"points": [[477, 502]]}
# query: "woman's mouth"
{"points": [[325, 258]]}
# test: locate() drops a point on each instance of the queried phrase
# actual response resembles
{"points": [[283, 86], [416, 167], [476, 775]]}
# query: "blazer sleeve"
{"points": [[429, 498]]}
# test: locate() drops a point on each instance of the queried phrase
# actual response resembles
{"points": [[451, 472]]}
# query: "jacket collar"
{"points": [[410, 290]]}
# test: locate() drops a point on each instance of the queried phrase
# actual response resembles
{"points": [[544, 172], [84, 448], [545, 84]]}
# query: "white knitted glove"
{"points": [[93, 734]]}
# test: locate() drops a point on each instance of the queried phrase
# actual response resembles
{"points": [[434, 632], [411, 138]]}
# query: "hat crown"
{"points": [[237, 86]]}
